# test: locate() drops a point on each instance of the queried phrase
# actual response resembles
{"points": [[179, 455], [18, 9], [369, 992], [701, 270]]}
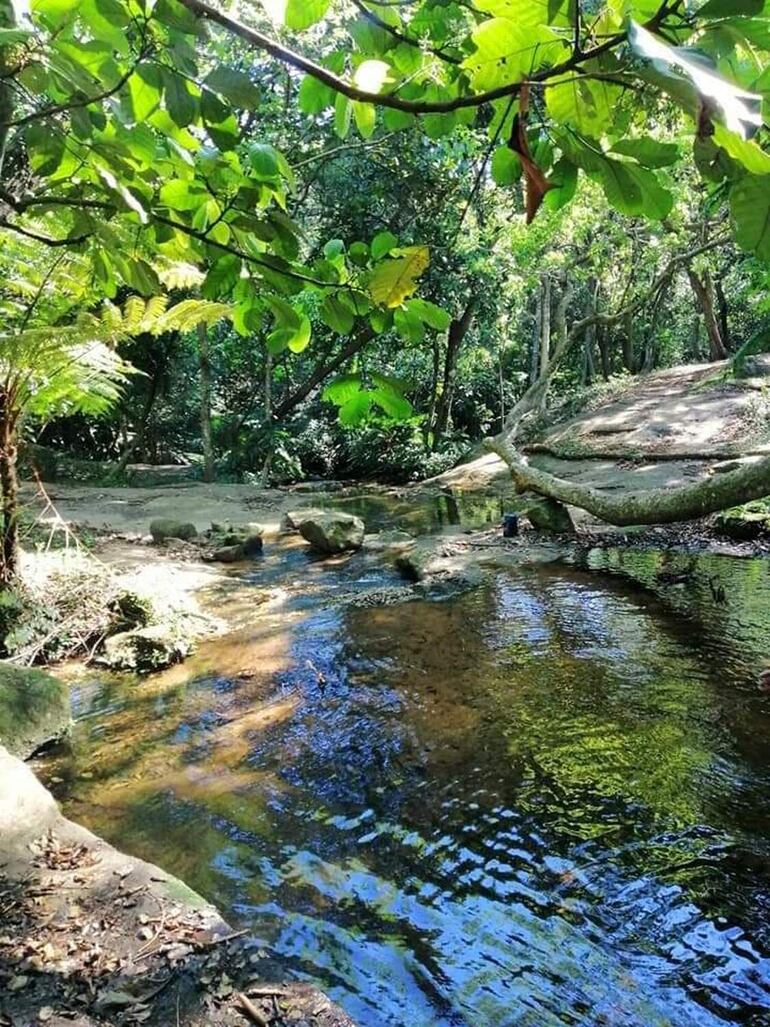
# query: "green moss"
{"points": [[34, 709]]}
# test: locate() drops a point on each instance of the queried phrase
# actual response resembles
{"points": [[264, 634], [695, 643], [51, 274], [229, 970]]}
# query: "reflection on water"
{"points": [[546, 802]]}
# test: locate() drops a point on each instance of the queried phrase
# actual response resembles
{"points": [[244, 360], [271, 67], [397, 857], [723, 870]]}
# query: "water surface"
{"points": [[545, 802]]}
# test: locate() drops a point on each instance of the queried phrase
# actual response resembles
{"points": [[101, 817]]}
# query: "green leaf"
{"points": [[138, 275], [356, 409], [181, 195], [359, 253], [382, 244], [506, 166], [388, 395], [366, 118], [727, 8], [649, 152], [299, 341], [301, 14], [431, 314], [408, 325], [750, 209], [583, 103], [393, 281], [342, 388], [264, 162], [180, 104], [343, 111], [314, 96], [372, 76], [337, 315], [222, 276], [235, 86], [508, 49], [563, 178], [746, 152], [693, 85], [144, 89]]}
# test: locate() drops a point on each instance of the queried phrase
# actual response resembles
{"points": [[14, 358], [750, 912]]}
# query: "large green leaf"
{"points": [[506, 166], [650, 153], [301, 14], [235, 86], [688, 79], [507, 50], [584, 103], [750, 209]]}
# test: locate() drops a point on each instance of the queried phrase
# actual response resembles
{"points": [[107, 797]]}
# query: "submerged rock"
{"points": [[390, 541], [166, 527], [145, 650], [229, 554], [34, 709], [333, 531]]}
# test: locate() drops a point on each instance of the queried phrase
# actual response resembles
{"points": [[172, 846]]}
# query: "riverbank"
{"points": [[91, 936]]}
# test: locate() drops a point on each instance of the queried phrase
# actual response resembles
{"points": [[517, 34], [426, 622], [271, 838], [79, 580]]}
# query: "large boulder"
{"points": [[333, 531], [292, 519], [145, 650], [166, 527], [545, 514], [34, 709]]}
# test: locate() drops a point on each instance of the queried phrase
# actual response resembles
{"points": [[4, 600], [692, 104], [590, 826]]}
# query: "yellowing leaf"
{"points": [[396, 279]]}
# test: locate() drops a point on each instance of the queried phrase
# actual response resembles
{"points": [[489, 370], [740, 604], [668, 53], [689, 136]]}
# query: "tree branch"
{"points": [[295, 60]]}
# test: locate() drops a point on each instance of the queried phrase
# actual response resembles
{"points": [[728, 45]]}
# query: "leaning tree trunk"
{"points": [[458, 329], [9, 486], [204, 358], [545, 342], [652, 506]]}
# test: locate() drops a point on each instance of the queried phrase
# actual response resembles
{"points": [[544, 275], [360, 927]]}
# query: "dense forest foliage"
{"points": [[352, 239]]}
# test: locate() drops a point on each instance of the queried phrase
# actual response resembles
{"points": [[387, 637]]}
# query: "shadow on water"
{"points": [[546, 802]]}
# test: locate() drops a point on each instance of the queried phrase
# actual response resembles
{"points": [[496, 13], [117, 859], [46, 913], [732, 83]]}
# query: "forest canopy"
{"points": [[367, 234]]}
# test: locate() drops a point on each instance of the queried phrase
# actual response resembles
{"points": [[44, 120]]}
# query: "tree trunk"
{"points": [[204, 355], [534, 356], [139, 435], [428, 429], [9, 486], [545, 342], [265, 476], [653, 506], [724, 320], [703, 288], [321, 373], [457, 332], [629, 357]]}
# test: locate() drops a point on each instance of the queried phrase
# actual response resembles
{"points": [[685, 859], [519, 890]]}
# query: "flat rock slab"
{"points": [[89, 935]]}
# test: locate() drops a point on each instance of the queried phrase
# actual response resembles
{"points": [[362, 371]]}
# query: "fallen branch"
{"points": [[651, 506], [251, 1011]]}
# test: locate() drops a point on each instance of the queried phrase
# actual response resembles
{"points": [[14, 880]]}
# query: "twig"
{"points": [[251, 1011]]}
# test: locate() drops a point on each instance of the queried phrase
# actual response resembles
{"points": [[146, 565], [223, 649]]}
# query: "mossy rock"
{"points": [[165, 527], [745, 523], [333, 532], [34, 709], [145, 650]]}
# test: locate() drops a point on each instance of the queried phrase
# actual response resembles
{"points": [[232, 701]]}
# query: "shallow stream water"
{"points": [[544, 802]]}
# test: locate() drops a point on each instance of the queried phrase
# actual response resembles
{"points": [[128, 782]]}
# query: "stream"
{"points": [[543, 802]]}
